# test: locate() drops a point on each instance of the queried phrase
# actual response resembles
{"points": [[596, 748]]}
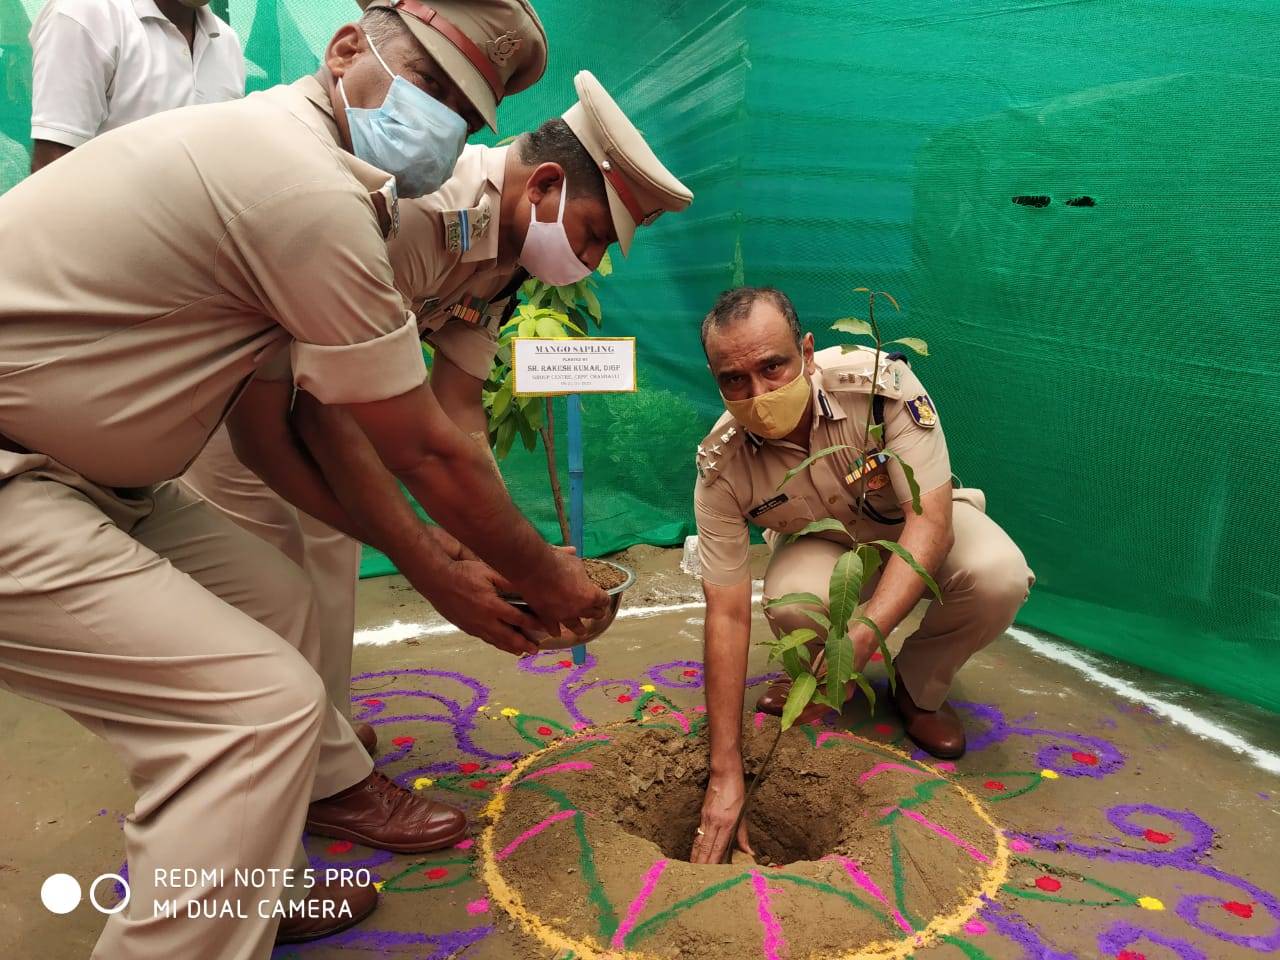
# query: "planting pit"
{"points": [[861, 851]]}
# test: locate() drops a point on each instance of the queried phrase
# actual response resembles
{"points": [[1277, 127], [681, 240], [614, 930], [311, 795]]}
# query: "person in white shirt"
{"points": [[99, 64]]}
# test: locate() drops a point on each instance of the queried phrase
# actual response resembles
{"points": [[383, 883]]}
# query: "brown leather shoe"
{"points": [[367, 736], [329, 909], [775, 698], [938, 732], [380, 814]]}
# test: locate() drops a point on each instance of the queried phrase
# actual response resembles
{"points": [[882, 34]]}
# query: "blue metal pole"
{"points": [[574, 429]]}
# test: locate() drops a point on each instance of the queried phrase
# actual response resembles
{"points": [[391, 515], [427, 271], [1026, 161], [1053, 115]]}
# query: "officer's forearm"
{"points": [[454, 481], [263, 442], [360, 481], [727, 644], [929, 540]]}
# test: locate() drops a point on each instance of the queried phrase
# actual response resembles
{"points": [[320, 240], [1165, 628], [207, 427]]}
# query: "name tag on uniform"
{"points": [[768, 505]]}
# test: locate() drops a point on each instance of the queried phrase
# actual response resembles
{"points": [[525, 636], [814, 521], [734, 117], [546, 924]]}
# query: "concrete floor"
{"points": [[1156, 842]]}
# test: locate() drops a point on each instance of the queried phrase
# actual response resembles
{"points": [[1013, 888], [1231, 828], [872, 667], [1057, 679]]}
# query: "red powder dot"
{"points": [[403, 741], [468, 767], [544, 731], [877, 657], [1049, 884], [341, 846], [1244, 910], [478, 784], [1088, 759], [625, 698], [1130, 955], [689, 673], [565, 664], [883, 729], [657, 708], [372, 703], [995, 785], [1155, 836], [437, 873]]}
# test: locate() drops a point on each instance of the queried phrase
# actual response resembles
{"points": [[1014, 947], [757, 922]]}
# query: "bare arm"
{"points": [[451, 477], [929, 537], [44, 152], [263, 442], [464, 590], [727, 644]]}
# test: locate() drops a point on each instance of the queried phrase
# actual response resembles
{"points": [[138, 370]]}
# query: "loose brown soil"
{"points": [[604, 575], [813, 819]]}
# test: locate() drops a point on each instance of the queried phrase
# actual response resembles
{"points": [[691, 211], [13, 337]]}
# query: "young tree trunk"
{"points": [[548, 432]]}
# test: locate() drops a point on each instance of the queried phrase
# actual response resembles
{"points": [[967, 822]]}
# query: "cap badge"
{"points": [[503, 48]]}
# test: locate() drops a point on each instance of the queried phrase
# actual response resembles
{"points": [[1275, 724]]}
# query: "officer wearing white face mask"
{"points": [[148, 280], [545, 203]]}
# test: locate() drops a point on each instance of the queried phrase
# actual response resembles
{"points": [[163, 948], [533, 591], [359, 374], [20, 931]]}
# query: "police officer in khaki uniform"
{"points": [[147, 279], [785, 402], [457, 258]]}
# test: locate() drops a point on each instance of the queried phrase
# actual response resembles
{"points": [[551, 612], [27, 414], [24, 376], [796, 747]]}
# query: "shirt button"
{"points": [[833, 499]]}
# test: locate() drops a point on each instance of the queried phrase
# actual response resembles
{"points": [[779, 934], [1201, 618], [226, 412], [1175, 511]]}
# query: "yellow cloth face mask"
{"points": [[775, 414]]}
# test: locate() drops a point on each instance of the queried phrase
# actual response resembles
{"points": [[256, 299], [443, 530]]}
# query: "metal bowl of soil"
{"points": [[613, 579]]}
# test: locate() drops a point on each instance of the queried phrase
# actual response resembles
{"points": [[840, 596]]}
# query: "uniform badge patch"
{"points": [[864, 467], [922, 412], [457, 231], [878, 482], [480, 222], [470, 310]]}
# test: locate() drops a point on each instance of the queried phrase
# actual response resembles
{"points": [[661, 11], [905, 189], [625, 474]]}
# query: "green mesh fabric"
{"points": [[1107, 369]]}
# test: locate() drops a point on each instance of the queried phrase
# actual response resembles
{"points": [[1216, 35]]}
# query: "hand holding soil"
{"points": [[562, 593], [720, 808], [469, 594]]}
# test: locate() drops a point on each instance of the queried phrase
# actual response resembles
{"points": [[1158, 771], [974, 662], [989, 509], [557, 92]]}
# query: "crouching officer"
{"points": [[784, 402]]}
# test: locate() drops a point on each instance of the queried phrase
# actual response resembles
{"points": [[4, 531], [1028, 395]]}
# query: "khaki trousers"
{"points": [[183, 642], [984, 580], [331, 563]]}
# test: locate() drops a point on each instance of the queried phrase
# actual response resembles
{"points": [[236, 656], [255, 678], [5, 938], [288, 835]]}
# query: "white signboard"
{"points": [[588, 365]]}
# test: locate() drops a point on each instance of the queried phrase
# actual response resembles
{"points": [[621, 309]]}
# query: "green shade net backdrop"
{"points": [[1076, 203]]}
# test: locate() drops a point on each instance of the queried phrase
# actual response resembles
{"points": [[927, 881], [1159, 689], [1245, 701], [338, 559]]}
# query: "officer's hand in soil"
{"points": [[720, 807], [562, 593]]}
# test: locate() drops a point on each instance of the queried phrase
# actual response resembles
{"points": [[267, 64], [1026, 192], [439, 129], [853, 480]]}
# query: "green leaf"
{"points": [[792, 662], [790, 598], [819, 618], [528, 435], [796, 638], [905, 554], [573, 326], [889, 297], [852, 325], [876, 432], [818, 526], [861, 289], [551, 328], [804, 464], [839, 660], [502, 400], [845, 592], [506, 435], [911, 482], [593, 305], [528, 328], [914, 343], [606, 265], [802, 691], [883, 643], [870, 562], [866, 689]]}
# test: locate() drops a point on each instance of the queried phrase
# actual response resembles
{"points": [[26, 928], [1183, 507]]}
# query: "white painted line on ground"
{"points": [[1182, 716]]}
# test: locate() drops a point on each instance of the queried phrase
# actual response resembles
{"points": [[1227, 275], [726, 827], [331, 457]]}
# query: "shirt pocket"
{"points": [[788, 517]]}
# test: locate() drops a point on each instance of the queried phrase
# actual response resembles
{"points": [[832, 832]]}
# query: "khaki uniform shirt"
{"points": [[148, 275], [445, 258], [739, 473]]}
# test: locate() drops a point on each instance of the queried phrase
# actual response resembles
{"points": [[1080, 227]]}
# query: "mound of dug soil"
{"points": [[862, 851]]}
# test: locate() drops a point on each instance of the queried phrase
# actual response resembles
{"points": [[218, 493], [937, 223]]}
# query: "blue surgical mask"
{"points": [[412, 136]]}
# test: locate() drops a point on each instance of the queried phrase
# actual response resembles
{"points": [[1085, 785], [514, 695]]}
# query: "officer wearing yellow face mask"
{"points": [[785, 402]]}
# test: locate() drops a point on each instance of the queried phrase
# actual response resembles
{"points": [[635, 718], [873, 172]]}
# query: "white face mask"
{"points": [[547, 253]]}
